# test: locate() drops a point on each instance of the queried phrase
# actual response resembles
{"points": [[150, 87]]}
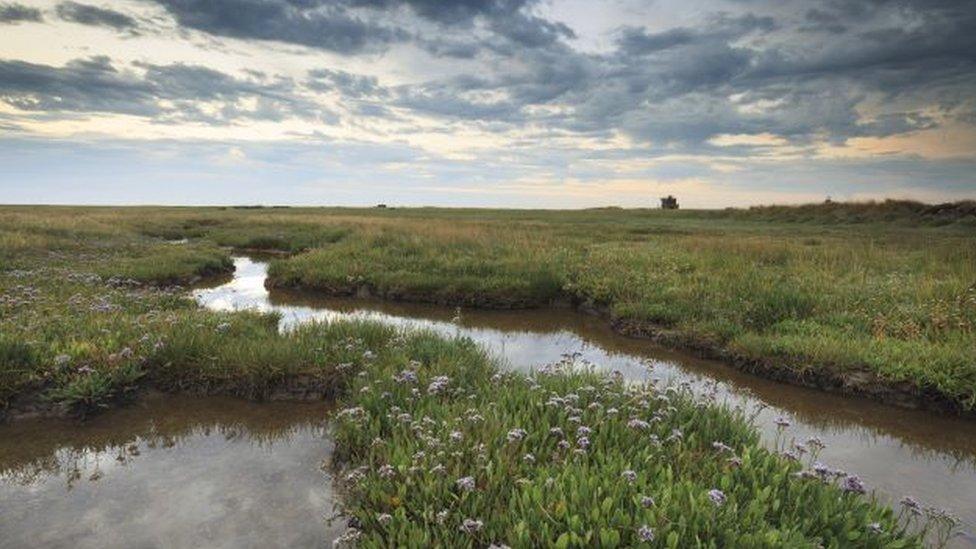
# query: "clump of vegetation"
{"points": [[891, 306], [906, 212], [472, 267], [82, 341], [441, 449]]}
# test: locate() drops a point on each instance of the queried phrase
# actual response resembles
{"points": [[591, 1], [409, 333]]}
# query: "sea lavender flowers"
{"points": [[471, 526], [438, 385], [466, 484], [717, 496], [853, 484]]}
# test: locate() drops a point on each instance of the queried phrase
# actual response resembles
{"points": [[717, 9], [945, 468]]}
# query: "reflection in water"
{"points": [[898, 452], [171, 471]]}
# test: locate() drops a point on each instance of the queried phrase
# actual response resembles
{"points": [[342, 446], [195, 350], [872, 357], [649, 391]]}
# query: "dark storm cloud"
{"points": [[168, 93], [17, 13], [354, 26], [82, 85], [318, 24], [736, 73], [95, 16]]}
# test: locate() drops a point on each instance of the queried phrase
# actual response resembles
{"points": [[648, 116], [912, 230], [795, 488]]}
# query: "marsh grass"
{"points": [[884, 289], [899, 305], [440, 449]]}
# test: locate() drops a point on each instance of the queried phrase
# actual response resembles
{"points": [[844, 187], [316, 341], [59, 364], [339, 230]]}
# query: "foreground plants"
{"points": [[441, 449]]}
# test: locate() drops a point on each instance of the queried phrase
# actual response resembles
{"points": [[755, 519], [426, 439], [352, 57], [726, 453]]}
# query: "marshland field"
{"points": [[440, 441]]}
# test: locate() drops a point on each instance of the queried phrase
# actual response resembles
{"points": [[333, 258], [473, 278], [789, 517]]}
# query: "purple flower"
{"points": [[853, 484], [912, 505], [386, 471], [384, 518], [629, 476], [647, 501], [645, 533], [438, 385], [556, 432], [638, 424], [822, 470], [465, 484], [717, 496], [516, 435], [406, 376], [815, 442], [470, 526], [583, 442]]}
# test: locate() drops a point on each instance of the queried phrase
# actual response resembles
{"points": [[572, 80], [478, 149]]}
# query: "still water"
{"points": [[897, 452], [170, 471]]}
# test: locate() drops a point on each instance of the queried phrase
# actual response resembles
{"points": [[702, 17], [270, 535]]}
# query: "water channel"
{"points": [[179, 471]]}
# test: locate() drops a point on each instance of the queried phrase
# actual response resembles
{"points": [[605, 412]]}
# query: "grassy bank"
{"points": [[89, 315], [871, 308], [875, 298], [440, 449]]}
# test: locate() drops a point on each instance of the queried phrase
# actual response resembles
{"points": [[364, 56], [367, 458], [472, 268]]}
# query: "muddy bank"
{"points": [[300, 388]]}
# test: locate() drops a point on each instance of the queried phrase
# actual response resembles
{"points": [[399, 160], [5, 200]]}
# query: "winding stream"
{"points": [[896, 451], [178, 471]]}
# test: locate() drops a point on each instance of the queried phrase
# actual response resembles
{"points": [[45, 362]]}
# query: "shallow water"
{"points": [[897, 452], [170, 471]]}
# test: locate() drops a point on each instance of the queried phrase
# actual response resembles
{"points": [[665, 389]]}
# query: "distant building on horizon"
{"points": [[669, 203]]}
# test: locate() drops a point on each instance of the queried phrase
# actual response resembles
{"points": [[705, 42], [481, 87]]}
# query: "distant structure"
{"points": [[669, 203], [381, 205]]}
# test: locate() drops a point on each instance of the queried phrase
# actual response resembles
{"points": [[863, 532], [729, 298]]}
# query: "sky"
{"points": [[496, 103]]}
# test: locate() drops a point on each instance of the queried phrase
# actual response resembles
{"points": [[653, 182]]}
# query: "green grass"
{"points": [[898, 304], [87, 319], [419, 462], [880, 292]]}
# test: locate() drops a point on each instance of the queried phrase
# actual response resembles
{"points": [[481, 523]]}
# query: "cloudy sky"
{"points": [[522, 103]]}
